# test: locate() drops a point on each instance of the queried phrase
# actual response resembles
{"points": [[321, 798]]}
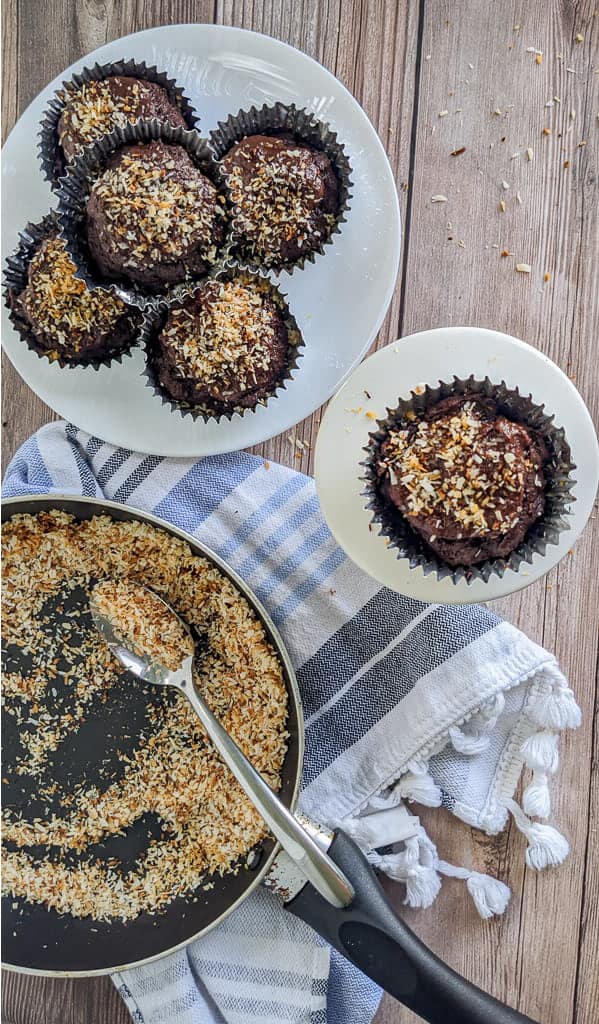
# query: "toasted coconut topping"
{"points": [[280, 200], [94, 110], [60, 304], [462, 469], [61, 676], [156, 212], [229, 336]]}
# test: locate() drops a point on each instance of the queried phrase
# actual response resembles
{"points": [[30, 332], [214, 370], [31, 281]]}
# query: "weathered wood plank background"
{"points": [[407, 63]]}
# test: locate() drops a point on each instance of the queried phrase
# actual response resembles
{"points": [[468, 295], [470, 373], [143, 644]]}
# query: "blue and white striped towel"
{"points": [[403, 702]]}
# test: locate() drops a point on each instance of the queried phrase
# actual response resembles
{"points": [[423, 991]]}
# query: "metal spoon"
{"points": [[314, 864]]}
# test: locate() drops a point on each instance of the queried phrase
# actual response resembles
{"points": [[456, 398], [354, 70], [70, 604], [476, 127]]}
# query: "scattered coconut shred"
{"points": [[60, 674]]}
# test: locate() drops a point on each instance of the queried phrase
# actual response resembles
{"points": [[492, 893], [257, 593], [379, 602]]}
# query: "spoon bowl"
{"points": [[144, 667]]}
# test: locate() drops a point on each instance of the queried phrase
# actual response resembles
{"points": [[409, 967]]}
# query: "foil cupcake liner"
{"points": [[75, 188], [52, 160], [15, 280], [276, 120], [558, 471], [155, 318]]}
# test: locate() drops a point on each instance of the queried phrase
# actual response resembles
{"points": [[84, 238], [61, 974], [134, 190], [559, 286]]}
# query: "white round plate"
{"points": [[222, 70], [391, 374]]}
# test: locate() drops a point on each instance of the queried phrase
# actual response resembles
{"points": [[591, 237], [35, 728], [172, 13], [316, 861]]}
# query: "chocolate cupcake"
{"points": [[285, 197], [55, 312], [98, 107], [101, 98], [224, 347], [469, 479], [153, 217], [287, 179]]}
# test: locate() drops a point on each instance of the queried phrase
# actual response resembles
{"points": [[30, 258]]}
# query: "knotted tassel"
{"points": [[415, 867], [546, 846], [422, 880], [490, 896], [465, 743], [422, 886], [540, 751], [535, 798], [555, 707], [473, 737], [419, 787]]}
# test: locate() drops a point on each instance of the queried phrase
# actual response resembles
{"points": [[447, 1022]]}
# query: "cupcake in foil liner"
{"points": [[543, 532], [16, 275], [75, 189], [155, 319], [52, 158], [306, 129]]}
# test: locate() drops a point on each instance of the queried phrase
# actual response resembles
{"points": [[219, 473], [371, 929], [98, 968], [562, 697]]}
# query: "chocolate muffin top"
{"points": [[225, 347], [62, 317], [467, 478], [153, 217], [285, 196], [97, 108]]}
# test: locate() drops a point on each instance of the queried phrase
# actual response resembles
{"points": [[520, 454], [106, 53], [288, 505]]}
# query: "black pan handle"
{"points": [[370, 934]]}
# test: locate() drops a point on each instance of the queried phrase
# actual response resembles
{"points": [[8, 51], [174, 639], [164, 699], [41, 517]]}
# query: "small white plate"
{"points": [[392, 373], [339, 301]]}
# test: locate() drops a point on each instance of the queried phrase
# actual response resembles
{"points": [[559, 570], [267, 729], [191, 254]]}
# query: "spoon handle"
{"points": [[314, 864]]}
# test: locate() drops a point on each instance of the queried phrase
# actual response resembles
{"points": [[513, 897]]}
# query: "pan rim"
{"points": [[282, 653]]}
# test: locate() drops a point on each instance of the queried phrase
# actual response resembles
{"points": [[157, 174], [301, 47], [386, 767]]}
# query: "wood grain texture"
{"points": [[406, 63], [477, 68]]}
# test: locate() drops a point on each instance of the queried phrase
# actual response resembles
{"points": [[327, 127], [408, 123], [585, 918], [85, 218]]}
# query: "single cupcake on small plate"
{"points": [[287, 179], [457, 465], [55, 312], [469, 477], [223, 348]]}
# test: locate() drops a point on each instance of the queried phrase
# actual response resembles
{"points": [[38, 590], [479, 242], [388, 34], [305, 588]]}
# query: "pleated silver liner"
{"points": [[280, 119], [75, 187], [155, 318], [15, 280], [51, 157], [558, 498]]}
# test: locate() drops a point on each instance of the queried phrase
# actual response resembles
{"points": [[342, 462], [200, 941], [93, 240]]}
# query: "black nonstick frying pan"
{"points": [[368, 932]]}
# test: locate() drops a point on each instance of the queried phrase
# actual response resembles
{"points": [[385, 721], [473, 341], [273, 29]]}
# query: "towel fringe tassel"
{"points": [[420, 870], [554, 705], [467, 743], [489, 895], [536, 800], [414, 865], [473, 737], [419, 787], [546, 846], [540, 751], [416, 784]]}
